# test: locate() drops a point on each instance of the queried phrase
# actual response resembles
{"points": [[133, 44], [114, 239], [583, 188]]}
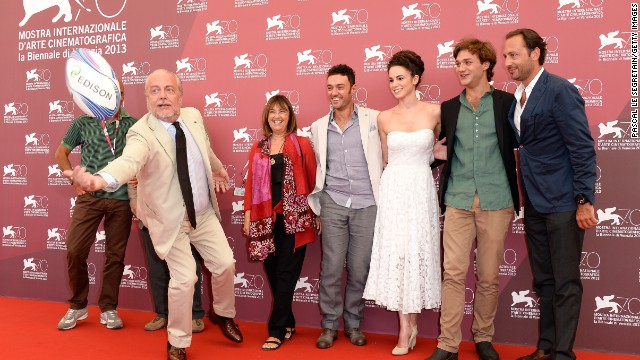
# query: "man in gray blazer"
{"points": [[349, 157]]}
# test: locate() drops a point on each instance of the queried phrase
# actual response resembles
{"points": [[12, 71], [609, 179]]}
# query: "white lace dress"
{"points": [[405, 273]]}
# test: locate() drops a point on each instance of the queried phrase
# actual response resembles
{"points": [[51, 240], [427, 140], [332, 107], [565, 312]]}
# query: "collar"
{"points": [[528, 88], [489, 92], [167, 125], [463, 95], [124, 113], [353, 115]]}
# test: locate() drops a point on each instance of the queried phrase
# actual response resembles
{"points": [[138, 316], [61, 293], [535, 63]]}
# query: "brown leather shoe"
{"points": [[356, 336], [536, 355], [229, 328], [325, 340], [175, 353]]}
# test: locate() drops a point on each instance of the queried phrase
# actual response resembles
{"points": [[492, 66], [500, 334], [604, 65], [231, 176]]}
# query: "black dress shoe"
{"points": [[538, 354], [440, 354], [485, 351], [175, 353], [229, 328]]}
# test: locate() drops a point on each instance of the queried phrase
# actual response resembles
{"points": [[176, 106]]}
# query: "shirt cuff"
{"points": [[112, 183]]}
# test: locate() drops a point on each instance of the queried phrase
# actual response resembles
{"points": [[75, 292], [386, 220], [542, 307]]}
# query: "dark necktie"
{"points": [[183, 173]]}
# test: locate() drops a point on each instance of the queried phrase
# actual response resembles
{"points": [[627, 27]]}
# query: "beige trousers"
{"points": [[461, 228], [211, 242]]}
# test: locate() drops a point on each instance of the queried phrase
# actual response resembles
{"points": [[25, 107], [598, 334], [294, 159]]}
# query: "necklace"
{"points": [[273, 161]]}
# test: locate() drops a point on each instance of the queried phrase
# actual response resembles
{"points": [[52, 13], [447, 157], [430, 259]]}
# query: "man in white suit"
{"points": [[151, 154], [349, 157]]}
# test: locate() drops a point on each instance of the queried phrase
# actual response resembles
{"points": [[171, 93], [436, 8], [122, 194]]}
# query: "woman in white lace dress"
{"points": [[405, 272]]}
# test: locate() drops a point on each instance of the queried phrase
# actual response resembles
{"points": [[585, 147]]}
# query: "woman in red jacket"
{"points": [[277, 217]]}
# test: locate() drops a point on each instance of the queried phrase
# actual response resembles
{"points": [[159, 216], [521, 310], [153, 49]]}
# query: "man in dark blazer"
{"points": [[558, 169], [478, 194]]}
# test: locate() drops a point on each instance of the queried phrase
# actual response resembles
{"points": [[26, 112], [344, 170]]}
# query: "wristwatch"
{"points": [[581, 200]]}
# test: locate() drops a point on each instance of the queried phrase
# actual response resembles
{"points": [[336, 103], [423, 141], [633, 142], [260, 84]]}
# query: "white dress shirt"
{"points": [[197, 174], [518, 95]]}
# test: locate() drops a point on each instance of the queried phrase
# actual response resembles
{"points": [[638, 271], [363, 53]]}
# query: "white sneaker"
{"points": [[69, 319], [111, 319]]}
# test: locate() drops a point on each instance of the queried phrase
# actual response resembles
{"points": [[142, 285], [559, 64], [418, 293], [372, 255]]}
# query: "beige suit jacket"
{"points": [[150, 154], [368, 120]]}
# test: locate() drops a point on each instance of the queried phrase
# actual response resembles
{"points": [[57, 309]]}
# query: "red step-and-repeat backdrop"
{"points": [[232, 55]]}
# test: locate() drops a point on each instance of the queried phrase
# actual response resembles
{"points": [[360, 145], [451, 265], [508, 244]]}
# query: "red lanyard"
{"points": [[112, 147]]}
